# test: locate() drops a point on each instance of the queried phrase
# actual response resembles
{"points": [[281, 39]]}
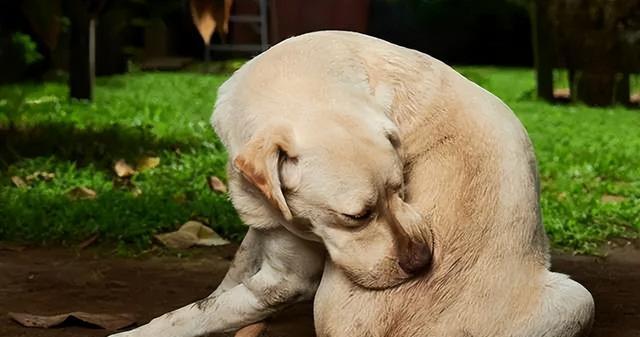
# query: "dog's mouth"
{"points": [[384, 278]]}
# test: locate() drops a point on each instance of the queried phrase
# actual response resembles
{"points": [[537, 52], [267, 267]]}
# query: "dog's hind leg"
{"points": [[566, 310], [288, 271]]}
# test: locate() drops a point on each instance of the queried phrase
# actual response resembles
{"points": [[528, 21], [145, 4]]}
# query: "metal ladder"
{"points": [[260, 20]]}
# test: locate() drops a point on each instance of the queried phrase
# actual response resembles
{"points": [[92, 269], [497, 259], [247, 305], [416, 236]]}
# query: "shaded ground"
{"points": [[54, 281]]}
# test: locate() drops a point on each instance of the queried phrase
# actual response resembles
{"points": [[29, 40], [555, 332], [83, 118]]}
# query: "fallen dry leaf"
{"points": [[147, 163], [82, 192], [192, 233], [609, 199], [562, 93], [216, 184], [123, 170], [88, 242], [11, 247], [18, 182], [210, 16], [253, 330], [105, 321], [177, 239], [136, 192], [46, 176], [202, 15], [180, 198]]}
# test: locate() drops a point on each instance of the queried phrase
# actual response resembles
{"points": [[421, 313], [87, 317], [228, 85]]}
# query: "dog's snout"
{"points": [[415, 259]]}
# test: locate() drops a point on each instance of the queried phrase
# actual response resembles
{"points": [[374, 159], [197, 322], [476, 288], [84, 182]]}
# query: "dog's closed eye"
{"points": [[363, 215]]}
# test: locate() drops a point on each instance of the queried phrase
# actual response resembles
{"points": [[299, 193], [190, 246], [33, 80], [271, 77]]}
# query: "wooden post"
{"points": [[82, 58], [542, 48], [594, 87], [623, 89]]}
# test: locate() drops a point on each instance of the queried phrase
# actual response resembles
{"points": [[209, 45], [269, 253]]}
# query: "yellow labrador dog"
{"points": [[401, 195]]}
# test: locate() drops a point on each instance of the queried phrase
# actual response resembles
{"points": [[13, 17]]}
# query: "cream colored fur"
{"points": [[420, 186]]}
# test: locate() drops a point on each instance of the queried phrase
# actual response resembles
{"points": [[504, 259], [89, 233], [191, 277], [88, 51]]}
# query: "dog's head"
{"points": [[340, 182]]}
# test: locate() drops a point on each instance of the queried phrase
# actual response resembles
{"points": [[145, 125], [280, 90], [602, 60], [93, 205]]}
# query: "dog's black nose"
{"points": [[415, 259]]}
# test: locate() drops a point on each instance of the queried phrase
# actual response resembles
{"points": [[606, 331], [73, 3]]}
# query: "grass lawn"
{"points": [[589, 160], [133, 116]]}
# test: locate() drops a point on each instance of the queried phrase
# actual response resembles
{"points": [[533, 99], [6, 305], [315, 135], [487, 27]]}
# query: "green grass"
{"points": [[583, 153], [132, 116]]}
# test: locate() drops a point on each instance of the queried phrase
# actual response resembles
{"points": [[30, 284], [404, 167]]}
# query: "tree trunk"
{"points": [[82, 57], [542, 49], [596, 88], [623, 89]]}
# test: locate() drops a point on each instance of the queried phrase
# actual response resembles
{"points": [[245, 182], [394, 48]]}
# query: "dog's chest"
{"points": [[341, 310]]}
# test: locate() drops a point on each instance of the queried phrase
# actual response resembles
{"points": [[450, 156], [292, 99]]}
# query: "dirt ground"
{"points": [[52, 281]]}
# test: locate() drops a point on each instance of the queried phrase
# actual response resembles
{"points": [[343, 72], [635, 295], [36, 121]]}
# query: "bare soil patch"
{"points": [[51, 281]]}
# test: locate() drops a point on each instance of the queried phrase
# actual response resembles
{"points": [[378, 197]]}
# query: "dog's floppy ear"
{"points": [[259, 160]]}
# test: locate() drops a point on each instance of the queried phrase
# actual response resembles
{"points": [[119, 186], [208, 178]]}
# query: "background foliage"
{"points": [[588, 160]]}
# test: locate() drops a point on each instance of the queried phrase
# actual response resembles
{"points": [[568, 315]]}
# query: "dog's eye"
{"points": [[364, 215]]}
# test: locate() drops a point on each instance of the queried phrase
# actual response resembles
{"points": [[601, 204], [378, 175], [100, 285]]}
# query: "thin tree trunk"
{"points": [[542, 49], [82, 58], [623, 89]]}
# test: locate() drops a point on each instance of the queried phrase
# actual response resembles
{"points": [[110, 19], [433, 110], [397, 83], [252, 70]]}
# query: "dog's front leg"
{"points": [[289, 271], [246, 261]]}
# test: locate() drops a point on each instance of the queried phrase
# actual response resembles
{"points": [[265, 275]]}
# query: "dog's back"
{"points": [[470, 170]]}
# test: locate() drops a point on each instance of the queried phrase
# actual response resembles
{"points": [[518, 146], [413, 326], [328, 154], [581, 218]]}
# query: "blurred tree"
{"points": [[18, 51], [21, 53], [121, 31], [150, 19], [597, 40], [543, 56], [82, 57], [457, 31], [45, 19]]}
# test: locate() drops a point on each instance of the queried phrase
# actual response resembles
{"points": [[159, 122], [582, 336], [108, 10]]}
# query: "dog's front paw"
{"points": [[123, 334], [130, 333], [253, 330]]}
